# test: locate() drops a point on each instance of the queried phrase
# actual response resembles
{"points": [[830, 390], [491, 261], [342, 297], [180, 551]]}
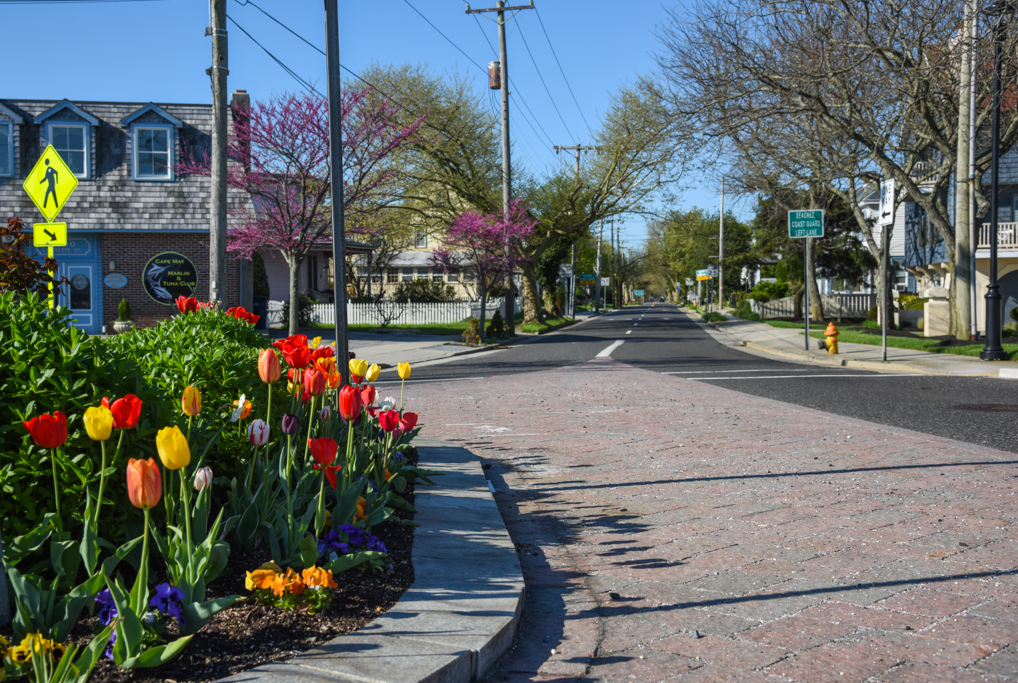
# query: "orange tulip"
{"points": [[268, 366], [144, 483], [327, 364], [314, 381]]}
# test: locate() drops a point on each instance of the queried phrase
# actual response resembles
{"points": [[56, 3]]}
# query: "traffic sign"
{"points": [[587, 279], [606, 281], [689, 282], [50, 183], [49, 234], [702, 274], [806, 223], [637, 292], [886, 216], [712, 271]]}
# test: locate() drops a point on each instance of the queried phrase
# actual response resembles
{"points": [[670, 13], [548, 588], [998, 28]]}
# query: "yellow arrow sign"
{"points": [[49, 235], [50, 183]]}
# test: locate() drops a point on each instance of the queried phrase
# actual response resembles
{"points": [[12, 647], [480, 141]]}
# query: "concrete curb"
{"points": [[826, 360], [461, 613]]}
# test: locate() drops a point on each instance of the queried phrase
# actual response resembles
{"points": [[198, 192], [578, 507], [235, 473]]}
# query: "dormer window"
{"points": [[71, 142], [6, 148], [152, 152]]}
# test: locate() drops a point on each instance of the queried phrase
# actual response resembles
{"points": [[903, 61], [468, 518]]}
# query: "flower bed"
{"points": [[250, 513]]}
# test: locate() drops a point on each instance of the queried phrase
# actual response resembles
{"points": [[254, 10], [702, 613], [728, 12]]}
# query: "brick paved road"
{"points": [[797, 545]]}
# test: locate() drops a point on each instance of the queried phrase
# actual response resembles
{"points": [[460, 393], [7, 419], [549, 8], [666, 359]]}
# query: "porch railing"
{"points": [[1007, 236], [408, 314]]}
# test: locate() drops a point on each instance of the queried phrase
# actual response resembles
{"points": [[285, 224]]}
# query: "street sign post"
{"points": [[50, 184], [806, 224], [886, 216]]}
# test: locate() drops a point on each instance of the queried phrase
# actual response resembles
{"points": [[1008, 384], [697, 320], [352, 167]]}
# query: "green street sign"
{"points": [[807, 223], [637, 292], [586, 279]]}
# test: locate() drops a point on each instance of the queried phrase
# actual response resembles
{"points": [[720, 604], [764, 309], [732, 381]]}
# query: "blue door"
{"points": [[79, 263]]}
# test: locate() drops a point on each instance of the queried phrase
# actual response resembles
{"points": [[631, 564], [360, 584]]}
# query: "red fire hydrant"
{"points": [[832, 338]]}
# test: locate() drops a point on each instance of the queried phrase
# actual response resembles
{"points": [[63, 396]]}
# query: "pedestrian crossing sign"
{"points": [[50, 183]]}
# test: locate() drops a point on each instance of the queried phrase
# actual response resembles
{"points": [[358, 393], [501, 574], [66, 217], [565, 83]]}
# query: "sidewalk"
{"points": [[788, 343]]}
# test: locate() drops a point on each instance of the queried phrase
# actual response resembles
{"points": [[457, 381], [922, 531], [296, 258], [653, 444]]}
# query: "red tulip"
{"points": [[368, 395], [323, 352], [408, 421], [388, 420], [330, 472], [144, 483], [268, 366], [296, 356], [323, 450], [292, 340], [126, 411], [314, 381], [48, 431], [187, 304], [350, 403]]}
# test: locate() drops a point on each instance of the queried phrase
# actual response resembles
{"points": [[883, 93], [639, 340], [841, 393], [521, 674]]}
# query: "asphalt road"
{"points": [[662, 339]]}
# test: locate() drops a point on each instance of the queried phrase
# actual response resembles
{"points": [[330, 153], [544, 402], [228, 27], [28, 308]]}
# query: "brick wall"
{"points": [[131, 251]]}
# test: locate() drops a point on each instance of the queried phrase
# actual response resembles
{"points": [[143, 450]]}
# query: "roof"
{"points": [[61, 106], [150, 107]]}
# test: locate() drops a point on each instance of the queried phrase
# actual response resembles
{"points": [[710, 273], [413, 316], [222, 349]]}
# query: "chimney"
{"points": [[240, 106]]}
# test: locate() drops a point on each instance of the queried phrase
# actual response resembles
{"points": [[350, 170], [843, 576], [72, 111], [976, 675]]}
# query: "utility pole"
{"points": [[973, 241], [578, 149], [597, 283], [507, 185], [336, 179], [217, 205], [721, 249], [962, 257]]}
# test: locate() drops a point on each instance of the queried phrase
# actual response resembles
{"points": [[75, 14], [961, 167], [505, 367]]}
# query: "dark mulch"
{"points": [[248, 635]]}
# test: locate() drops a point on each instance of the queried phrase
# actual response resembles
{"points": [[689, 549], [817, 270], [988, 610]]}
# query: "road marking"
{"points": [[607, 351], [451, 379], [702, 372], [629, 331], [895, 374]]}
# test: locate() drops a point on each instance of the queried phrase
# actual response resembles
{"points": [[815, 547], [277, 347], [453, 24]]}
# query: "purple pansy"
{"points": [[169, 600]]}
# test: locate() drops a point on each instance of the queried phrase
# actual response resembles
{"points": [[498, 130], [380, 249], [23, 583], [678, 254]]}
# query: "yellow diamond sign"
{"points": [[50, 183]]}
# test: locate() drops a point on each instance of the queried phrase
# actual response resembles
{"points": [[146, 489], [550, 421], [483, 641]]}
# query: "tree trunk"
{"points": [[532, 310], [483, 292], [294, 322], [797, 302]]}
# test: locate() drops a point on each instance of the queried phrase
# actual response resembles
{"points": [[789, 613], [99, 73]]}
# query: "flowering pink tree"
{"points": [[489, 246], [282, 146]]}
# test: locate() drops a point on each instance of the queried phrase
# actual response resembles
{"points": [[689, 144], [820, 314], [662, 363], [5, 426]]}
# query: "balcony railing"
{"points": [[1007, 236]]}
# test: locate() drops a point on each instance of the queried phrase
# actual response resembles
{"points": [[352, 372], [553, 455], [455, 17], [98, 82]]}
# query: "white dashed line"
{"points": [[607, 351], [629, 331]]}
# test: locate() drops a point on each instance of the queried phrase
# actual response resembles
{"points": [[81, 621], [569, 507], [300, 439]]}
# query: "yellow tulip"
{"points": [[404, 370], [358, 367], [172, 447], [98, 423], [372, 373], [190, 401]]}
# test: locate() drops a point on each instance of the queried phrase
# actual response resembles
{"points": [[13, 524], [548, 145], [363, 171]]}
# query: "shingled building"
{"points": [[137, 229]]}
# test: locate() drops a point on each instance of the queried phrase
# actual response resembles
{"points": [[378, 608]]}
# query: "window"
{"points": [[6, 148], [152, 153], [454, 277], [71, 142], [423, 274], [437, 276], [376, 277], [421, 240], [468, 276], [392, 276], [408, 274]]}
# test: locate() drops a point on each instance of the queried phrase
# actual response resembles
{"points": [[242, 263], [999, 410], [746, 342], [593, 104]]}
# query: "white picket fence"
{"points": [[407, 314], [846, 305]]}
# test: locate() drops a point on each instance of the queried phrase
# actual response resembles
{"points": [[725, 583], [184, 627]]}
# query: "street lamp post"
{"points": [[993, 350]]}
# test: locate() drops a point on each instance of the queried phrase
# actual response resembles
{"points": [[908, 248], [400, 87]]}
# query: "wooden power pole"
{"points": [[507, 185], [217, 209], [571, 306]]}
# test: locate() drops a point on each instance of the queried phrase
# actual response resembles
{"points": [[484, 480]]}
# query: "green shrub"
{"points": [[713, 317], [871, 324], [1010, 330], [217, 354], [872, 314], [496, 327], [911, 302], [768, 291], [123, 310], [259, 276], [423, 292], [49, 365], [304, 310]]}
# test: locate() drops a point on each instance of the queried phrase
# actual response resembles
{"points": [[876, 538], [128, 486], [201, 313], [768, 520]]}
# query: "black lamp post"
{"points": [[993, 350]]}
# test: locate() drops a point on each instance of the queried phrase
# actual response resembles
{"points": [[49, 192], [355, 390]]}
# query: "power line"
{"points": [[278, 61], [538, 12], [299, 36], [546, 88], [448, 39]]}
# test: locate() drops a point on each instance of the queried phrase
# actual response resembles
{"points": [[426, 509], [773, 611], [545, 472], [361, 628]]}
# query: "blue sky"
{"points": [[156, 50]]}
